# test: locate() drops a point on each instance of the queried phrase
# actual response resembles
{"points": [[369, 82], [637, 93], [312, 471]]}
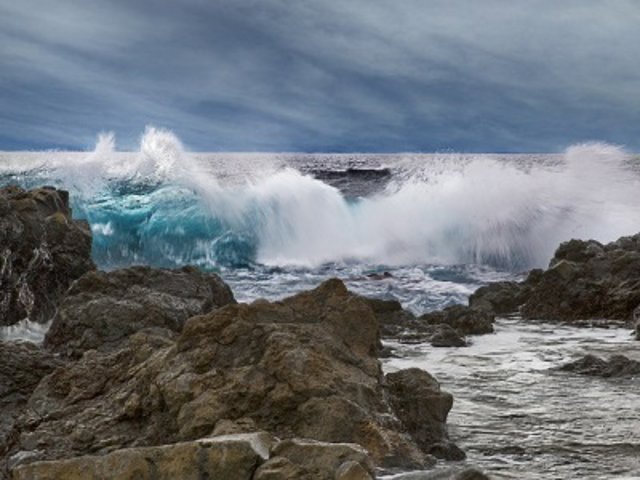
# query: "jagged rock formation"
{"points": [[585, 280], [42, 250], [304, 367], [102, 308]]}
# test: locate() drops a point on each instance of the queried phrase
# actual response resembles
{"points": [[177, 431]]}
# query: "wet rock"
{"points": [[423, 408], [499, 298], [351, 470], [588, 280], [102, 308], [454, 473], [617, 366], [230, 457], [465, 320], [445, 336], [443, 328], [394, 321], [22, 366], [303, 367], [42, 250]]}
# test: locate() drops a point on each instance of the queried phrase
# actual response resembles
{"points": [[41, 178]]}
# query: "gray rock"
{"points": [[102, 308], [588, 280], [445, 336], [22, 366], [617, 366], [465, 320], [42, 250], [499, 298], [423, 408]]}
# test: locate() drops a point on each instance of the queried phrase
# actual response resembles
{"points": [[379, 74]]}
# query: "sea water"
{"points": [[425, 229]]}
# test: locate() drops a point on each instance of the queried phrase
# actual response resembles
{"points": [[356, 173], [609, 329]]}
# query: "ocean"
{"points": [[425, 229]]}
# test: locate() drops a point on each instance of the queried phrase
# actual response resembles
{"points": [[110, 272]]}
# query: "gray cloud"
{"points": [[368, 75]]}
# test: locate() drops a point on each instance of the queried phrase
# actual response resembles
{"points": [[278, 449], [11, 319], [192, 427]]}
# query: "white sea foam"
{"points": [[448, 209]]}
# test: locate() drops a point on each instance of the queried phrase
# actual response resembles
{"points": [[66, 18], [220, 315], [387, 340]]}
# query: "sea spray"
{"points": [[166, 207]]}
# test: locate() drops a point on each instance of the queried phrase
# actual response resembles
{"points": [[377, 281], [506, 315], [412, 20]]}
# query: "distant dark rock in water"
{"points": [[617, 366], [42, 250], [305, 367], [102, 308], [379, 276]]}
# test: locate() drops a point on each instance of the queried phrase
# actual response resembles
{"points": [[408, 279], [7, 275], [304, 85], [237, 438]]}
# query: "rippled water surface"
{"points": [[517, 418]]}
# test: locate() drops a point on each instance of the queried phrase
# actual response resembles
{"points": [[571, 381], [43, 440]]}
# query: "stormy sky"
{"points": [[325, 75]]}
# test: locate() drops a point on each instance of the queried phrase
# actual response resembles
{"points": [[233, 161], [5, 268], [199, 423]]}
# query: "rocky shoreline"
{"points": [[156, 373]]}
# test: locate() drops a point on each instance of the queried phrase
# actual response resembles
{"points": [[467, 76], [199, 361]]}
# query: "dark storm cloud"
{"points": [[322, 76]]}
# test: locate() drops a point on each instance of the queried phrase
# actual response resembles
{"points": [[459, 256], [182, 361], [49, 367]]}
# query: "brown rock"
{"points": [[22, 366], [102, 308], [423, 408], [302, 367], [42, 250], [230, 457]]}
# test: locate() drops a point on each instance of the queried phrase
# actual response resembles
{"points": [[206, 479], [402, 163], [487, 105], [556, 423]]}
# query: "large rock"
{"points": [[230, 458], [617, 366], [499, 298], [42, 250], [302, 367], [102, 308], [465, 320], [22, 366], [585, 280], [423, 408], [588, 280]]}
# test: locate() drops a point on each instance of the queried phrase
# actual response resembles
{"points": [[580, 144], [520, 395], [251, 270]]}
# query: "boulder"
{"points": [[445, 336], [302, 367], [42, 250], [102, 308], [229, 457], [423, 408], [464, 320], [499, 298], [617, 366], [588, 280]]}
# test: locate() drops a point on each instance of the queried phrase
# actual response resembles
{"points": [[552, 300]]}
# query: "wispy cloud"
{"points": [[332, 75]]}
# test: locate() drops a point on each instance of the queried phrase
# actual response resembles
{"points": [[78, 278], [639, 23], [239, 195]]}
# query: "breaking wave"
{"points": [[165, 207]]}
